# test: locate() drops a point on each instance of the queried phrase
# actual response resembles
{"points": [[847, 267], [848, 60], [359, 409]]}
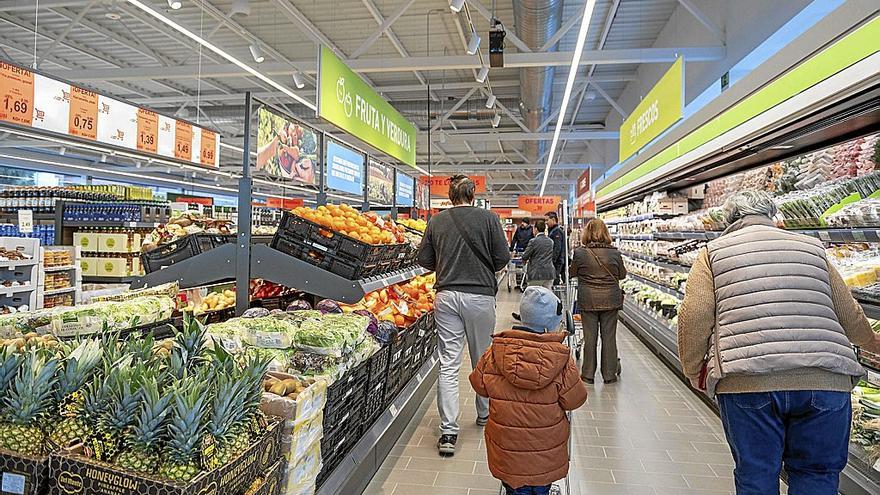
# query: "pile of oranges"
{"points": [[367, 227], [401, 304]]}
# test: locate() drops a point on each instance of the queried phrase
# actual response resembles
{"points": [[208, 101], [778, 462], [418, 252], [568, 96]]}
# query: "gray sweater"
{"points": [[458, 269], [539, 254]]}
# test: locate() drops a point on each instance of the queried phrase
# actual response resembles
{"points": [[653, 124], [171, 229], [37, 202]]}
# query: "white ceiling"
{"points": [[114, 47]]}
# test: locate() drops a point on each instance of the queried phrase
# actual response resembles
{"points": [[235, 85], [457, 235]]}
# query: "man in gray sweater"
{"points": [[465, 246]]}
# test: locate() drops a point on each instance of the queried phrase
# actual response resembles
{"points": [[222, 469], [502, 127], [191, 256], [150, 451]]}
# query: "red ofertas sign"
{"points": [[539, 204], [440, 184], [284, 203]]}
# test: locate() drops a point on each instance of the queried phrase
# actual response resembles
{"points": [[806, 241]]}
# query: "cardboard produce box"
{"points": [[23, 474], [74, 474], [270, 481], [302, 473], [307, 404]]}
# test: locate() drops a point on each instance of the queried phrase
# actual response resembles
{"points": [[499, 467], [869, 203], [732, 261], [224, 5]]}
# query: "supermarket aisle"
{"points": [[646, 434]]}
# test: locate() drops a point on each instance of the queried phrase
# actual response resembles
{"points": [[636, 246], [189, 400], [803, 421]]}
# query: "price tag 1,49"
{"points": [[25, 221]]}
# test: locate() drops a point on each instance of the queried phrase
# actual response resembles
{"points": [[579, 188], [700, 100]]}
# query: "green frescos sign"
{"points": [[345, 100]]}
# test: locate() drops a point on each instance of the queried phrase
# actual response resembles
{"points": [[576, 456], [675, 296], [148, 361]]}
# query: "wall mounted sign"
{"points": [[404, 190], [345, 100], [285, 147], [440, 184], [539, 204], [34, 100], [345, 168], [380, 185], [659, 109]]}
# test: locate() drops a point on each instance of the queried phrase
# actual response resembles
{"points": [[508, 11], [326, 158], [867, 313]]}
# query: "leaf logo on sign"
{"points": [[344, 97]]}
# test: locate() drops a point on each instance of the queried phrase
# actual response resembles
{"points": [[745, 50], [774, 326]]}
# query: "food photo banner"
{"points": [[659, 109], [380, 185], [29, 99], [440, 184], [345, 168], [404, 190], [348, 102], [539, 204], [286, 148]]}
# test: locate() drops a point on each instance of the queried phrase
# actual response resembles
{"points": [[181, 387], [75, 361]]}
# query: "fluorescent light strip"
{"points": [[139, 178], [114, 152], [589, 5], [198, 39]]}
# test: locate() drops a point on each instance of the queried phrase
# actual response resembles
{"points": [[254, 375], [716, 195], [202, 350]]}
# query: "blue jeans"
{"points": [[528, 490], [807, 432]]}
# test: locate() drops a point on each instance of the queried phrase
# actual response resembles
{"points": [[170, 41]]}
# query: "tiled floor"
{"points": [[647, 434]]}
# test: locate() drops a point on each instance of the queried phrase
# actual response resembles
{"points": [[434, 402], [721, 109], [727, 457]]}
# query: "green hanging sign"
{"points": [[346, 101]]}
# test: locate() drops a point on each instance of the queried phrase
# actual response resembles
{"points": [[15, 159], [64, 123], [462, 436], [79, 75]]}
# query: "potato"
{"points": [[278, 389]]}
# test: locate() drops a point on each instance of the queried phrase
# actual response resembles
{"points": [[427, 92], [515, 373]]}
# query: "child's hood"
{"points": [[530, 360]]}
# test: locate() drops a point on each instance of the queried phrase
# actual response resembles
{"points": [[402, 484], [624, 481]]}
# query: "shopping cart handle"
{"points": [[569, 322]]}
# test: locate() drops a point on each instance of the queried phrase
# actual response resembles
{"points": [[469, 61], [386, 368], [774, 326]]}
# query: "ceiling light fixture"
{"points": [[496, 120], [257, 53], [482, 74], [210, 46], [175, 4], [490, 101], [589, 5], [242, 7], [456, 5], [298, 80], [473, 43]]}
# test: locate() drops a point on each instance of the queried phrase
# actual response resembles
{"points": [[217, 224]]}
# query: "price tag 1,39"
{"points": [[26, 221]]}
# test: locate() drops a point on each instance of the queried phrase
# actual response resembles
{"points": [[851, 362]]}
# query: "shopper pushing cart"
{"points": [[532, 381]]}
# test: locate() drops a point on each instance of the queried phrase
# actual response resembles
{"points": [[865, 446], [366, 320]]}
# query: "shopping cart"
{"points": [[516, 272]]}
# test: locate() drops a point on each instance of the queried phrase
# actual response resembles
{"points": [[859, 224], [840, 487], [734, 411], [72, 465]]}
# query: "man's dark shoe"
{"points": [[515, 316], [446, 445], [588, 380], [482, 421]]}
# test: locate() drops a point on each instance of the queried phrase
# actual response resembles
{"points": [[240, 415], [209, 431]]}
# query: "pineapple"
{"points": [[250, 379], [186, 355], [124, 396], [142, 442], [11, 361], [76, 368], [27, 403], [226, 410], [92, 403], [186, 429]]}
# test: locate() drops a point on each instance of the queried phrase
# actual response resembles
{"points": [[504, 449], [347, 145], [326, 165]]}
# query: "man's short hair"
{"points": [[552, 214], [541, 225], [525, 220], [461, 190]]}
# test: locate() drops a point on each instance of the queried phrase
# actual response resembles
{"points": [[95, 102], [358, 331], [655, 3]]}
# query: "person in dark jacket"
{"points": [[558, 237], [539, 255], [532, 380], [465, 246], [522, 236], [598, 267]]}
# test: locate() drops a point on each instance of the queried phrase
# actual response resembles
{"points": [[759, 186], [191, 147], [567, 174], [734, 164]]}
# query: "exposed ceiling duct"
{"points": [[536, 21]]}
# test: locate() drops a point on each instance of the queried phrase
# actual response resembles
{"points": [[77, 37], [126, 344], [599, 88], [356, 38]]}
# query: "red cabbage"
{"points": [[328, 306], [299, 304], [385, 331], [373, 326], [255, 313]]}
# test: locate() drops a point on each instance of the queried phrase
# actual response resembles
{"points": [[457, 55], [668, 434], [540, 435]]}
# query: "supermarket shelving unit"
{"points": [[25, 272], [73, 269]]}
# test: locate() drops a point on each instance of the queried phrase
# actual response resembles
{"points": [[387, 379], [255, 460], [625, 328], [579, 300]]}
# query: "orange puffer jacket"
{"points": [[531, 380]]}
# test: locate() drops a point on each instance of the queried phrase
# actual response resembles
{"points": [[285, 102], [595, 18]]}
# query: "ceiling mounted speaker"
{"points": [[298, 80], [240, 7], [490, 101], [473, 43], [496, 120], [482, 74], [456, 5], [257, 53], [175, 4]]}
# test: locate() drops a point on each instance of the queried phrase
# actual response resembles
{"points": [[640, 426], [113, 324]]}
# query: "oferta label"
{"points": [[347, 101], [661, 107]]}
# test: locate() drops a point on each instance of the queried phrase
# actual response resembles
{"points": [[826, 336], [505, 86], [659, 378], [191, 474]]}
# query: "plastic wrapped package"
{"points": [[303, 472]]}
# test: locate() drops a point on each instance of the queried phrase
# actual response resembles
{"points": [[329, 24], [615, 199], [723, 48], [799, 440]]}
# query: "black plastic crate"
{"points": [[182, 249], [323, 259], [345, 393], [377, 365], [374, 403], [312, 232]]}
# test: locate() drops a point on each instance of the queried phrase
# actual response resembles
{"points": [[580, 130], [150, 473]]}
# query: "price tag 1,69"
{"points": [[26, 221], [16, 94]]}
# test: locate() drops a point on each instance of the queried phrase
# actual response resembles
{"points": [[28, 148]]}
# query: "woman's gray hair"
{"points": [[747, 203]]}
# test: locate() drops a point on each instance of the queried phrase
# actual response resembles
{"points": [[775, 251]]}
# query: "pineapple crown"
{"points": [[187, 425], [8, 369], [77, 366], [252, 372], [31, 391], [150, 422], [189, 344], [227, 404], [124, 396], [141, 349], [98, 393]]}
